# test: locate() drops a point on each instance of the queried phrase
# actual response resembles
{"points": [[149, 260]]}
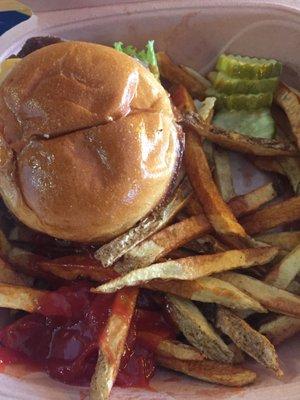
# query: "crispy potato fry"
{"points": [[216, 210], [161, 243], [284, 240], [270, 297], [272, 216], [9, 276], [208, 290], [249, 202], [211, 371], [280, 328], [282, 274], [178, 75], [222, 174], [111, 344], [112, 251], [182, 99], [20, 297], [169, 348], [288, 100], [205, 82], [266, 164], [236, 141], [191, 268], [193, 206], [248, 339], [291, 169], [196, 329], [176, 235]]}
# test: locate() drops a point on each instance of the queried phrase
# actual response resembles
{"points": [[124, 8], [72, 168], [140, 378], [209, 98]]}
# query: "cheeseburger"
{"points": [[89, 143]]}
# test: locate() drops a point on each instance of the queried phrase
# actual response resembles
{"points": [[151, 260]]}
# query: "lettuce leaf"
{"points": [[147, 56]]}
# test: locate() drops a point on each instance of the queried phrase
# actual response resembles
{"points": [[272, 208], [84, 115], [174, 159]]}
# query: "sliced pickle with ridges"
{"points": [[241, 101], [228, 85], [238, 66]]}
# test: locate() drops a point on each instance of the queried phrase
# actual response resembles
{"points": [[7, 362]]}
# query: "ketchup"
{"points": [[62, 338]]}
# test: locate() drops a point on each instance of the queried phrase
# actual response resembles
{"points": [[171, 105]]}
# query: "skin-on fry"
{"points": [[288, 100], [182, 99], [216, 210], [291, 169], [236, 141], [178, 75], [193, 206], [111, 344], [280, 328], [248, 339], [112, 251], [169, 348], [205, 82], [9, 276], [284, 240], [282, 274], [272, 216], [211, 371], [197, 330], [249, 202], [208, 290], [176, 235], [20, 297], [74, 267], [272, 298], [222, 174], [191, 268]]}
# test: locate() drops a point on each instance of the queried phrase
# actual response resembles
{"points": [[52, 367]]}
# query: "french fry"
{"points": [[169, 348], [222, 174], [248, 339], [74, 267], [249, 202], [176, 235], [280, 328], [291, 168], [193, 206], [112, 251], [210, 371], [282, 274], [182, 99], [178, 75], [191, 268], [111, 344], [216, 210], [20, 297], [208, 290], [197, 330], [205, 82], [4, 244], [9, 276], [284, 240], [267, 164], [270, 297], [272, 216], [236, 141], [288, 100]]}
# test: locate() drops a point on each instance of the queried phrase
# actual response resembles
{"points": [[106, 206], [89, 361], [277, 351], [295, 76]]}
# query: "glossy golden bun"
{"points": [[88, 142]]}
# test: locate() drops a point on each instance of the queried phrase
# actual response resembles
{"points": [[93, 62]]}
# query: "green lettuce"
{"points": [[147, 56]]}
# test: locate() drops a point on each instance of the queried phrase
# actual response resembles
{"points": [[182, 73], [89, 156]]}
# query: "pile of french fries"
{"points": [[207, 255]]}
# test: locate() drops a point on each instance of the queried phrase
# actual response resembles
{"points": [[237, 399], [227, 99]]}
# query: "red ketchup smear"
{"points": [[62, 338]]}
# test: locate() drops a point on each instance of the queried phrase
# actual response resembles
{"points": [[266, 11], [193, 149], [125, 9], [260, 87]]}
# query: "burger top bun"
{"points": [[88, 141]]}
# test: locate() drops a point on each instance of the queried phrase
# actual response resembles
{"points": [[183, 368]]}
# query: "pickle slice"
{"points": [[258, 123], [241, 101], [228, 85], [247, 67]]}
